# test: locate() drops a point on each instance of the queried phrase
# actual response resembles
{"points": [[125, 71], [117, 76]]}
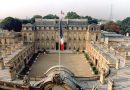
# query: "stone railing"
{"points": [[10, 85], [89, 78]]}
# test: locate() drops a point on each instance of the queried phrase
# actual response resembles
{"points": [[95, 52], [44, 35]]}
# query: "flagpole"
{"points": [[59, 44], [60, 41]]}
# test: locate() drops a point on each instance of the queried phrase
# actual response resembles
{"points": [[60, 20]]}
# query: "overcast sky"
{"points": [[96, 8]]}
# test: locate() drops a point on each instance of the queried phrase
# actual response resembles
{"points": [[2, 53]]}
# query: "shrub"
{"points": [[87, 56], [96, 72], [94, 68], [91, 64]]}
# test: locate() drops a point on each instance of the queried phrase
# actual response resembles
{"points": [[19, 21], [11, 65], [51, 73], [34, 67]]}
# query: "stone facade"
{"points": [[14, 53], [45, 34]]}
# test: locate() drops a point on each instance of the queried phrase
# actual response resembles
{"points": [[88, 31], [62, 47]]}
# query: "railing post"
{"points": [[117, 63], [26, 83]]}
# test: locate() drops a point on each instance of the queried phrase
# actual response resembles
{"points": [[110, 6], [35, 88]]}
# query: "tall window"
{"points": [[79, 37], [42, 35], [69, 36], [47, 35], [43, 45], [30, 35], [52, 45], [69, 45], [74, 36], [47, 45], [74, 46], [52, 36], [84, 37], [25, 37]]}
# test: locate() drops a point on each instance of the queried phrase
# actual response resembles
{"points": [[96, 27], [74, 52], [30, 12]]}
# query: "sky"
{"points": [[100, 9]]}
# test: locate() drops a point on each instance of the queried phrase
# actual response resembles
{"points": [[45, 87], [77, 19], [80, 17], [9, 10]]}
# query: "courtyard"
{"points": [[76, 63]]}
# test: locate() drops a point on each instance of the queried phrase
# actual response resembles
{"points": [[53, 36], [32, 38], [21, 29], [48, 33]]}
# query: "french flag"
{"points": [[61, 37]]}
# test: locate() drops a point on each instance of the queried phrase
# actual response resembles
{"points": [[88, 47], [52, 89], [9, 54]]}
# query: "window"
{"points": [[52, 36], [74, 46], [47, 45], [74, 36], [84, 37], [69, 36], [52, 45], [69, 45], [42, 35], [5, 41], [79, 37], [70, 28], [24, 28], [47, 36]]}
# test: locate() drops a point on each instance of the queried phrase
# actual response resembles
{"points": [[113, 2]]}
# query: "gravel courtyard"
{"points": [[74, 62]]}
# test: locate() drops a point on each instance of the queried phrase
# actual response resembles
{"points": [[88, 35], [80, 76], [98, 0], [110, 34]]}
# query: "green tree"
{"points": [[125, 25], [34, 17], [72, 15], [10, 23], [91, 20], [51, 16]]}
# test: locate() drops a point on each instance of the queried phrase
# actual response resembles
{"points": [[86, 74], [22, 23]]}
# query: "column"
{"points": [[26, 83], [110, 84], [1, 63], [102, 76], [12, 73], [117, 63]]}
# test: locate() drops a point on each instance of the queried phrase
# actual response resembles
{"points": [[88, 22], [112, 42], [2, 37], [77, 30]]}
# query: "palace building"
{"points": [[28, 59], [45, 33]]}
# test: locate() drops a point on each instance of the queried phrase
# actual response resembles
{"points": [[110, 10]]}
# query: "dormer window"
{"points": [[70, 28], [24, 28]]}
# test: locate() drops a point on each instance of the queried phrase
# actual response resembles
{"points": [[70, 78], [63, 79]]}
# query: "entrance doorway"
{"points": [[65, 46], [57, 46]]}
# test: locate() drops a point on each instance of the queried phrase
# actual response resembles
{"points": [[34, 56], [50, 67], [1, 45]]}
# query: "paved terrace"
{"points": [[74, 62]]}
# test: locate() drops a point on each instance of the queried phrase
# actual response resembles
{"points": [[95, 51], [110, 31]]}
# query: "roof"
{"points": [[110, 34], [65, 22], [113, 35]]}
